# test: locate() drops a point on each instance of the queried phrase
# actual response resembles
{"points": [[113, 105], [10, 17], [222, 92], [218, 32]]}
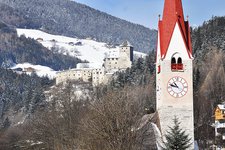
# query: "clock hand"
{"points": [[176, 84], [173, 85]]}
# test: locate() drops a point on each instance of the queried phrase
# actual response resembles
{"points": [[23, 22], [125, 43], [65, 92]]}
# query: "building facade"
{"points": [[84, 74], [174, 70]]}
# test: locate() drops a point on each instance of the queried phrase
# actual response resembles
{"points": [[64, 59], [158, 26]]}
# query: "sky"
{"points": [[146, 12]]}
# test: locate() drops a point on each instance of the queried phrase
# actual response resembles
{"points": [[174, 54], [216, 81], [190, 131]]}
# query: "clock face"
{"points": [[177, 87]]}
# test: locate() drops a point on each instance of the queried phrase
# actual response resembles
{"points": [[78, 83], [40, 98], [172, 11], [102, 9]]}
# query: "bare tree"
{"points": [[56, 126], [112, 122], [209, 93]]}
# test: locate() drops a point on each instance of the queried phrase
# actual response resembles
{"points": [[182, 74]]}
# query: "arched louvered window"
{"points": [[173, 60], [179, 64], [173, 63], [179, 61]]}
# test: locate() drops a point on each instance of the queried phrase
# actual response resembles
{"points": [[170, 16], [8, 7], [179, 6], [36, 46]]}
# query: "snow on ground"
{"points": [[41, 71], [85, 49]]}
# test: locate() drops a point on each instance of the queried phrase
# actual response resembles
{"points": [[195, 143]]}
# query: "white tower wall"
{"points": [[168, 106]]}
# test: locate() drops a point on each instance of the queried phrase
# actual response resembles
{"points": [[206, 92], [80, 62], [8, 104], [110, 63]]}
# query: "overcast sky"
{"points": [[145, 12]]}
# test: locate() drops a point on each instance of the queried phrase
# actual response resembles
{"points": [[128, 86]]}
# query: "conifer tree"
{"points": [[176, 138]]}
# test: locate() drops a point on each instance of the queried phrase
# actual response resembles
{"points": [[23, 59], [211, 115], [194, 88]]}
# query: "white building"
{"points": [[174, 70], [115, 60]]}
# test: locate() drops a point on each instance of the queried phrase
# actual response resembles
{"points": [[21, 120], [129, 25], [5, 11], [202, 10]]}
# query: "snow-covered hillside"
{"points": [[41, 71], [85, 49]]}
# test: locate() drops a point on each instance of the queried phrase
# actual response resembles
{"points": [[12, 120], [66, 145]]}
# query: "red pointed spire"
{"points": [[172, 14]]}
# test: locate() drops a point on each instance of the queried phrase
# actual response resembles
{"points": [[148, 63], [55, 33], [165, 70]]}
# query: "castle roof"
{"points": [[172, 14], [126, 44]]}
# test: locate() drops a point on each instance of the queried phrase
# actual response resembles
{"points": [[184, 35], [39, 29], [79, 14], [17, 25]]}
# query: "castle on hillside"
{"points": [[115, 60]]}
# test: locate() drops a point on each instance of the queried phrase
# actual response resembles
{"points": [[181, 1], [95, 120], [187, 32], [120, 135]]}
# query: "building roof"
{"points": [[172, 14]]}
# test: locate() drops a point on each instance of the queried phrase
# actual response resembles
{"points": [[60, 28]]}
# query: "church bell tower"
{"points": [[174, 81]]}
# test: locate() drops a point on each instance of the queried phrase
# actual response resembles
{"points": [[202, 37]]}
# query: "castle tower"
{"points": [[174, 69], [127, 48]]}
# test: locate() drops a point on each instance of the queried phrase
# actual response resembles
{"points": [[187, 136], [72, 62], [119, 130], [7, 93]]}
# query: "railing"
{"points": [[176, 67]]}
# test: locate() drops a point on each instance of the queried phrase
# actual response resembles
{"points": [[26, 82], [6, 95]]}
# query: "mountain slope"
{"points": [[210, 34], [76, 20], [14, 50], [209, 75], [84, 49]]}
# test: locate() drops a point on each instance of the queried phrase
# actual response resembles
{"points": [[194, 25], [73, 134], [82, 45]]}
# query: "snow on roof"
{"points": [[222, 107], [89, 65]]}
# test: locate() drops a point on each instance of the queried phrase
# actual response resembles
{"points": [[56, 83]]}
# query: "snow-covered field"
{"points": [[85, 49], [41, 71]]}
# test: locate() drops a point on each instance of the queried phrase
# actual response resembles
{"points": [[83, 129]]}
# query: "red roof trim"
{"points": [[157, 40], [189, 36], [185, 42]]}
